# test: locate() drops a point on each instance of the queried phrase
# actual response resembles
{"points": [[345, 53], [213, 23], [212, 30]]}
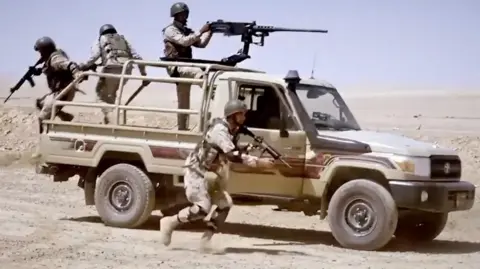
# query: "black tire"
{"points": [[371, 197], [139, 188], [420, 226]]}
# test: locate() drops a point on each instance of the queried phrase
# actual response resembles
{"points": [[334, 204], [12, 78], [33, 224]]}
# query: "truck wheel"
{"points": [[124, 196], [421, 226], [362, 215]]}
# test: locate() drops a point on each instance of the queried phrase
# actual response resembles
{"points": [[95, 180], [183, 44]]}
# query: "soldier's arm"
{"points": [[95, 54], [60, 62], [133, 51], [136, 56], [204, 40], [172, 34], [219, 136]]}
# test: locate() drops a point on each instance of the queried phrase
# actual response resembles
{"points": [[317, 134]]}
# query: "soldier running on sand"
{"points": [[218, 146]]}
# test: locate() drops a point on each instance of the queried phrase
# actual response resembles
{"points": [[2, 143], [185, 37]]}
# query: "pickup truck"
{"points": [[371, 185]]}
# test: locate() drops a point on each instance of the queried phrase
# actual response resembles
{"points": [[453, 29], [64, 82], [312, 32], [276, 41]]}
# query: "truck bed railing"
{"points": [[203, 82]]}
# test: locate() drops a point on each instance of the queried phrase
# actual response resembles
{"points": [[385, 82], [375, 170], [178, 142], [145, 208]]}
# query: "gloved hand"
{"points": [[145, 83], [76, 75], [36, 71], [265, 163]]}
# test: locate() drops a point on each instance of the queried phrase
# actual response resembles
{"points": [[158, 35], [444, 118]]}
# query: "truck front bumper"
{"points": [[433, 196]]}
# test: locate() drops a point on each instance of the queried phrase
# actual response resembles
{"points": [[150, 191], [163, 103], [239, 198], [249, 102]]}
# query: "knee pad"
{"points": [[219, 218], [191, 213]]}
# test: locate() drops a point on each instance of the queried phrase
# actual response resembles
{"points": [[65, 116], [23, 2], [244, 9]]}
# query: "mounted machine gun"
{"points": [[247, 30]]}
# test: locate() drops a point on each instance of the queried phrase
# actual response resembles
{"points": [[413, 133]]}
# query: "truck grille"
{"points": [[442, 166]]}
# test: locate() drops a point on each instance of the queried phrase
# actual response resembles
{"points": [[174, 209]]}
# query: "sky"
{"points": [[416, 44]]}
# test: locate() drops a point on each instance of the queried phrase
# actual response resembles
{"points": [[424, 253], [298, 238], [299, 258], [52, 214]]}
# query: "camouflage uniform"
{"points": [[113, 50], [209, 155], [178, 41], [60, 72]]}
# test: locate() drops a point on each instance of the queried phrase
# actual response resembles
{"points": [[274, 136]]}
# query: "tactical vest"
{"points": [[173, 50], [57, 80], [209, 156], [113, 48]]}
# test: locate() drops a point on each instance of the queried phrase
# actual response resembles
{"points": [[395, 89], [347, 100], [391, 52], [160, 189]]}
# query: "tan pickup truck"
{"points": [[371, 185]]}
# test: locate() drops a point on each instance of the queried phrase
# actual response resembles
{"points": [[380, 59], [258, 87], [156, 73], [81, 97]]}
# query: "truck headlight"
{"points": [[413, 165]]}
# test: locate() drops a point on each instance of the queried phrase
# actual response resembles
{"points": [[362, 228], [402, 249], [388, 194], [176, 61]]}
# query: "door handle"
{"points": [[292, 148]]}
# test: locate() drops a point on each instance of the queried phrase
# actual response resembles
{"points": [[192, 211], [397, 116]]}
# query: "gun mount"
{"points": [[247, 30]]}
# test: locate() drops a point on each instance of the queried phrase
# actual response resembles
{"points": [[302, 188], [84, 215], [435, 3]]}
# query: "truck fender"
{"points": [[100, 151], [338, 163]]}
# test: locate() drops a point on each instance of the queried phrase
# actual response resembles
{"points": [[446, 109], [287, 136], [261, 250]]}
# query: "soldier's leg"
{"points": [[110, 89], [183, 94], [183, 97], [65, 116], [101, 97], [224, 203], [197, 194], [45, 105]]}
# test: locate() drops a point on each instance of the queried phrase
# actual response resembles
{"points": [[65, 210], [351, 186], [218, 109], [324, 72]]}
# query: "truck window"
{"points": [[264, 107]]}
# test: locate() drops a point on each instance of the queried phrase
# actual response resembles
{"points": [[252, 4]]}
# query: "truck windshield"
{"points": [[326, 108]]}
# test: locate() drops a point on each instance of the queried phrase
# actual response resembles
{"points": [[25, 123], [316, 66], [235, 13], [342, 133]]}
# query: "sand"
{"points": [[46, 225]]}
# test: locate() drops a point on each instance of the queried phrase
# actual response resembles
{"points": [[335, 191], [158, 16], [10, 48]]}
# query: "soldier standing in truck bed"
{"points": [[178, 41], [114, 50]]}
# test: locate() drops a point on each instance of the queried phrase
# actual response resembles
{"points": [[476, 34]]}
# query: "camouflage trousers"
{"points": [[203, 192], [45, 104], [107, 88], [183, 93]]}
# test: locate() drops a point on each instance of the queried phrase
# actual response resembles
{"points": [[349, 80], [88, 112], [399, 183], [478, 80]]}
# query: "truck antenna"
{"points": [[313, 66]]}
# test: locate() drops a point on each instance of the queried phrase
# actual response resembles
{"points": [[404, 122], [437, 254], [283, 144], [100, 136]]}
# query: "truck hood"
{"points": [[391, 143]]}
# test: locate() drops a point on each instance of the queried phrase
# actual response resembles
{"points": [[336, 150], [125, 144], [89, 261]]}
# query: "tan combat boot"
{"points": [[206, 245], [167, 225]]}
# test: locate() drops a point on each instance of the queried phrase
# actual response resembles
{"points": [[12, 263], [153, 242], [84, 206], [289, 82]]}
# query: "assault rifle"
{"points": [[264, 146], [26, 77], [247, 30]]}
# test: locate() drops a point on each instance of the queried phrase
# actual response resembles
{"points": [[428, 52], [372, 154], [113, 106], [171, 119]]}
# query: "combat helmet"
{"points": [[44, 44], [178, 8], [107, 29], [234, 106]]}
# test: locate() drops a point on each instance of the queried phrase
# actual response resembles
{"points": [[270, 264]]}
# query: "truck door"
{"points": [[264, 119]]}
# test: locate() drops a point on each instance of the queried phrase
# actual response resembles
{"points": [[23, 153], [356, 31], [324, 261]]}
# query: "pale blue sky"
{"points": [[408, 43]]}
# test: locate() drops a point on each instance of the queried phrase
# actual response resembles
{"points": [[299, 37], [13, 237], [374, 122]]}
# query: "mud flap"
{"points": [[89, 186]]}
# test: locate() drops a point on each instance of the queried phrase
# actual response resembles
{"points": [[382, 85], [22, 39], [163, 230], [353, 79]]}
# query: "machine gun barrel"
{"points": [[263, 28]]}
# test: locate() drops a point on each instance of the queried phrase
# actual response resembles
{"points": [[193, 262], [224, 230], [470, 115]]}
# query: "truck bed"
{"points": [[83, 144]]}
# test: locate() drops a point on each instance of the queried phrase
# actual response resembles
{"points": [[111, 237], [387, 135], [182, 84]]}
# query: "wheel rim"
{"points": [[120, 196], [360, 217]]}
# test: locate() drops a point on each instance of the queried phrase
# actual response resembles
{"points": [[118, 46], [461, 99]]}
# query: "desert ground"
{"points": [[46, 225]]}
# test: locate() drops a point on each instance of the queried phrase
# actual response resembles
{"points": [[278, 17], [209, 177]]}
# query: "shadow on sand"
{"points": [[292, 236]]}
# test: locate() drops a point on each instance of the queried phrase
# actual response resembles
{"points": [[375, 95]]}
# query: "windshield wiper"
{"points": [[337, 125]]}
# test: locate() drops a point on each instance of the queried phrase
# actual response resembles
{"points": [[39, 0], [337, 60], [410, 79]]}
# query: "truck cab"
{"points": [[370, 185]]}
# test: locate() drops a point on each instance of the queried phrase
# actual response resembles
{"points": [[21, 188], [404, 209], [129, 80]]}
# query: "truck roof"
{"points": [[273, 78]]}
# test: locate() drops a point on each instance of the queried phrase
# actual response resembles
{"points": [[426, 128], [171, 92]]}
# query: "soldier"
{"points": [[60, 72], [113, 50], [216, 148], [178, 41]]}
